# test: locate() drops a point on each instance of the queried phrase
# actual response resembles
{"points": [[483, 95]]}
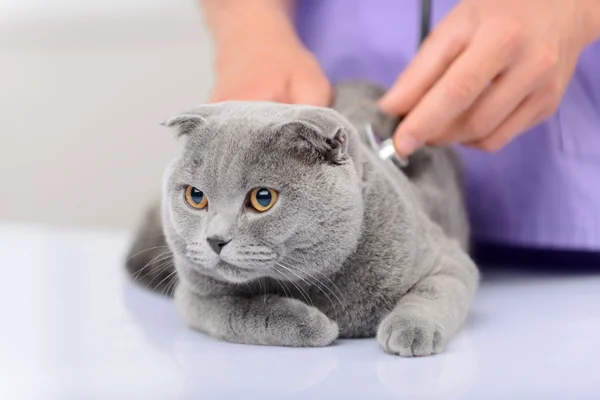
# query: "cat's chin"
{"points": [[222, 271]]}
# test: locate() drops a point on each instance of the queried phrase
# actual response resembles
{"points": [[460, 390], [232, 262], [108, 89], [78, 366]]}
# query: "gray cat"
{"points": [[285, 228]]}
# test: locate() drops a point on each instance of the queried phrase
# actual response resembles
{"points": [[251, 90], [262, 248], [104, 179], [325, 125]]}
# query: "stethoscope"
{"points": [[385, 149]]}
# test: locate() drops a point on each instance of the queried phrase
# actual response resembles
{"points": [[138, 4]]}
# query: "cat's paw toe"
{"points": [[308, 327], [410, 336], [318, 330]]}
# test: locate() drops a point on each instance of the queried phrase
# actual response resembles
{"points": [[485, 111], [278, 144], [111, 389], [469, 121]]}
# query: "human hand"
{"points": [[265, 63], [490, 71]]}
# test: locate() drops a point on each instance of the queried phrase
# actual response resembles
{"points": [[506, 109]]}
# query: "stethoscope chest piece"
{"points": [[384, 149]]}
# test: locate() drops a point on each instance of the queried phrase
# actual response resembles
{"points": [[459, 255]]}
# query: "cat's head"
{"points": [[262, 190]]}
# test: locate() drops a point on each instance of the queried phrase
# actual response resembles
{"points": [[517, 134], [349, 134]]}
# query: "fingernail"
{"points": [[406, 145]]}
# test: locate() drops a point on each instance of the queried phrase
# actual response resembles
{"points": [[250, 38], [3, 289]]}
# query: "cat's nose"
{"points": [[217, 243]]}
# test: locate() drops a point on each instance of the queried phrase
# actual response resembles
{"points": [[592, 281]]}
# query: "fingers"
{"points": [[496, 104], [529, 113], [458, 88], [438, 51]]}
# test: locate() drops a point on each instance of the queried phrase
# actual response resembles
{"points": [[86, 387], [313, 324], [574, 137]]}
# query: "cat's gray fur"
{"points": [[354, 247]]}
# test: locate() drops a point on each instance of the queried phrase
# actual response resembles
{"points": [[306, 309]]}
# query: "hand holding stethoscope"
{"points": [[490, 71]]}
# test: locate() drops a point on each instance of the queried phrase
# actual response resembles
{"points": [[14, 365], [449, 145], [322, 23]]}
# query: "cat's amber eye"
{"points": [[195, 197], [262, 199]]}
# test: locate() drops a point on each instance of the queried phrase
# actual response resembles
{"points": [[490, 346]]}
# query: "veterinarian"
{"points": [[517, 83]]}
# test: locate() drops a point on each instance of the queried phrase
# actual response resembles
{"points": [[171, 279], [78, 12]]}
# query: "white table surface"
{"points": [[73, 327]]}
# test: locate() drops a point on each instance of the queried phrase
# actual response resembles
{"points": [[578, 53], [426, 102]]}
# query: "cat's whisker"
{"points": [[163, 266], [282, 283], [283, 286], [153, 260], [145, 250], [304, 294], [170, 287], [169, 264], [138, 276], [313, 269], [319, 285], [164, 279], [321, 273], [150, 235], [261, 283], [161, 257]]}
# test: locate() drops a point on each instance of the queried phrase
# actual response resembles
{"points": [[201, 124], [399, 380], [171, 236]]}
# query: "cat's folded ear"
{"points": [[185, 123], [317, 137]]}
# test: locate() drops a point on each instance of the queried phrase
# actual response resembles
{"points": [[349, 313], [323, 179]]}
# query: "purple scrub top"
{"points": [[543, 189]]}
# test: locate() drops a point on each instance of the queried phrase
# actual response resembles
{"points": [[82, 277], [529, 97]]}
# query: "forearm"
{"points": [[232, 21]]}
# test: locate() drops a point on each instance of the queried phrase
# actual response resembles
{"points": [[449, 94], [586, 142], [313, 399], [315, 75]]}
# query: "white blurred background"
{"points": [[84, 85]]}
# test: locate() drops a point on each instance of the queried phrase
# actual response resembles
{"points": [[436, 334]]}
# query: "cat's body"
{"points": [[354, 247]]}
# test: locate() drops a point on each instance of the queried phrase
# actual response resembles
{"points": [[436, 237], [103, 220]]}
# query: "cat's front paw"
{"points": [[409, 335], [294, 323]]}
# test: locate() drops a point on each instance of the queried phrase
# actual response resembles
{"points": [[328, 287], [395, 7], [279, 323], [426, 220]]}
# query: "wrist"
{"points": [[256, 23], [261, 43]]}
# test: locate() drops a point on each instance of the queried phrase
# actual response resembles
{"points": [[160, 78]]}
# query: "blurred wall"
{"points": [[83, 87]]}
